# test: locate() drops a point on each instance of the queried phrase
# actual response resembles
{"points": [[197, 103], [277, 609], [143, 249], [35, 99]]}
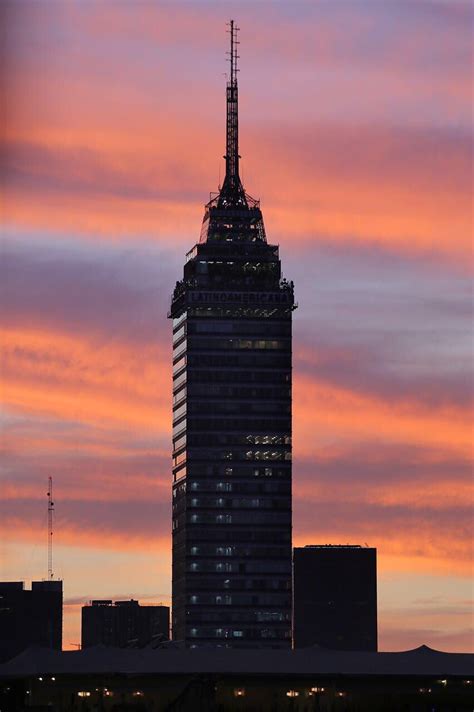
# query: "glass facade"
{"points": [[232, 423], [232, 437]]}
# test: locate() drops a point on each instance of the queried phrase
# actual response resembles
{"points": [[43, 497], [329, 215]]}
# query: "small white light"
{"points": [[292, 693], [84, 693]]}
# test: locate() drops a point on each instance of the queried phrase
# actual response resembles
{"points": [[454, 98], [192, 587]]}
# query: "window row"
{"points": [[237, 471], [232, 312], [241, 487], [179, 349], [233, 633], [179, 380], [241, 517], [205, 454], [179, 411], [247, 328], [214, 439], [179, 364], [180, 396], [240, 567], [239, 551], [217, 585], [260, 360], [229, 376], [239, 503], [218, 344], [245, 616], [240, 599], [279, 424], [220, 390], [238, 407]]}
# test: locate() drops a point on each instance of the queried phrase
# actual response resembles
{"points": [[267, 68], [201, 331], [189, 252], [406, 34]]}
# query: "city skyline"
{"points": [[105, 185]]}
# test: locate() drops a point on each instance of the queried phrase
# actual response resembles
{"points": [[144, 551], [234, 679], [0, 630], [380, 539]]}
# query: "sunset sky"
{"points": [[356, 134]]}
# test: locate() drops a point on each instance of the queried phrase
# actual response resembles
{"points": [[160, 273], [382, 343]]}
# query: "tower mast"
{"points": [[50, 528], [232, 190]]}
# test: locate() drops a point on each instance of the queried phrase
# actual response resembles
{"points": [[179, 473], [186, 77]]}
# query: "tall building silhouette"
{"points": [[232, 423]]}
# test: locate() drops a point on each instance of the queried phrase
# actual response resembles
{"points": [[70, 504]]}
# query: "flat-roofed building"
{"points": [[30, 616], [123, 624], [335, 597]]}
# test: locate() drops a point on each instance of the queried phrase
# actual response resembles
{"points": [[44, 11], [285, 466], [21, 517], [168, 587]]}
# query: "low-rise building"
{"points": [[123, 624]]}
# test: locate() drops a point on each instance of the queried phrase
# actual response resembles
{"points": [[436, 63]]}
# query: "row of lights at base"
{"points": [[241, 692], [108, 693]]}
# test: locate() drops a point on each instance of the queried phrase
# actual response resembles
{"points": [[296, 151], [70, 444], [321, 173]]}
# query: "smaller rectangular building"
{"points": [[30, 617], [123, 624], [335, 597]]}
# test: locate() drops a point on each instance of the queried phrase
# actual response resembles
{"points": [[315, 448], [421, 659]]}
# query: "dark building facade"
{"points": [[335, 597], [30, 617], [232, 316], [123, 623]]}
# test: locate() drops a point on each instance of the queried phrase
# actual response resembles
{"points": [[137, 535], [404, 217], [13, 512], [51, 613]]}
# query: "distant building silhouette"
{"points": [[232, 316], [335, 597], [30, 617], [123, 624]]}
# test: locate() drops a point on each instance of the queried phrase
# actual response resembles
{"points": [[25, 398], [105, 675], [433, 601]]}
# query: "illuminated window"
{"points": [[84, 693], [292, 693]]}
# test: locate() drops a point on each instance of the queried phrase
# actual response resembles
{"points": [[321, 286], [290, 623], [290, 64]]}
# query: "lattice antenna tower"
{"points": [[232, 179], [50, 528]]}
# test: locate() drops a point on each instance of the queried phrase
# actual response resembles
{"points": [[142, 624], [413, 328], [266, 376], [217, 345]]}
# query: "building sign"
{"points": [[240, 297]]}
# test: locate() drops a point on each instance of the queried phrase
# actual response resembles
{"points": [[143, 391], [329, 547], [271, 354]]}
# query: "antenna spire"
{"points": [[232, 191], [50, 528]]}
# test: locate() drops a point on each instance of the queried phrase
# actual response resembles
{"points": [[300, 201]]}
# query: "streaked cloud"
{"points": [[356, 133]]}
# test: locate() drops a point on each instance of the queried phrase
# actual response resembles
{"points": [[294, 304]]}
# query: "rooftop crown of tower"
{"points": [[232, 215]]}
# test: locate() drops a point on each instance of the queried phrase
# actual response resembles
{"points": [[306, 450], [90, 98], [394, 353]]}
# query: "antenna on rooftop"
{"points": [[50, 528], [232, 192]]}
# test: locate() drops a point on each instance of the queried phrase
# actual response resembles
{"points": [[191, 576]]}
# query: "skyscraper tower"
{"points": [[232, 423]]}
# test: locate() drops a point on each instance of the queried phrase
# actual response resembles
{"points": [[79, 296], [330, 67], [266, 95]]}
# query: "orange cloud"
{"points": [[73, 378], [398, 192], [321, 411]]}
